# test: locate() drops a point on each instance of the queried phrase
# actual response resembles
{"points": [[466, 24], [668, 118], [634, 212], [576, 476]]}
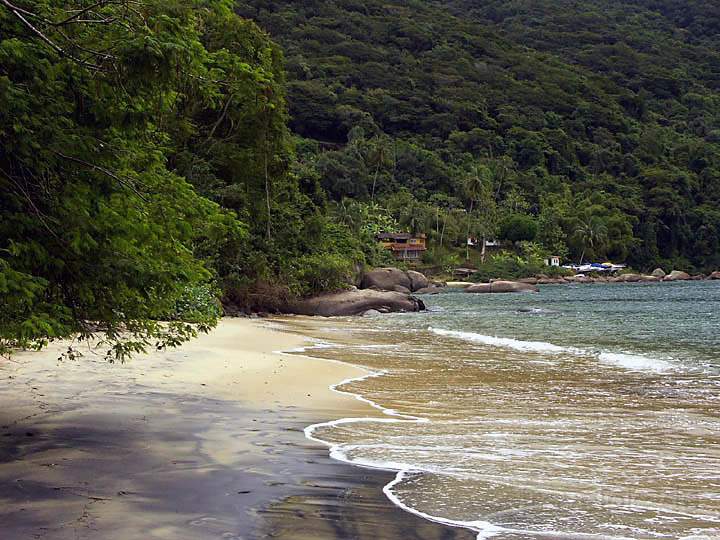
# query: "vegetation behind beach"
{"points": [[158, 156]]}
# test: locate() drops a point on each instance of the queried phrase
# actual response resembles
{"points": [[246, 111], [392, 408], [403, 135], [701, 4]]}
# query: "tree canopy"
{"points": [[144, 165]]}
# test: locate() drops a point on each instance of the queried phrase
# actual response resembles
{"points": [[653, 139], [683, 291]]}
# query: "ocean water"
{"points": [[588, 411]]}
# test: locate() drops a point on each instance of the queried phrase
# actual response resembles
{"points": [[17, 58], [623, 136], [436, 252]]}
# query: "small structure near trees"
{"points": [[553, 260], [404, 246]]}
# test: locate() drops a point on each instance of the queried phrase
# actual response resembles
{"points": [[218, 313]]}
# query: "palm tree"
{"points": [[474, 185], [378, 157], [591, 232]]}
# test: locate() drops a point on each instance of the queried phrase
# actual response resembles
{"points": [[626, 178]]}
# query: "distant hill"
{"points": [[599, 111]]}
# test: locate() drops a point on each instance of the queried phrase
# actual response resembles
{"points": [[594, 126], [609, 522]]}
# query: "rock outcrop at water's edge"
{"points": [[385, 279], [677, 275], [502, 287], [714, 275], [355, 302], [417, 280]]}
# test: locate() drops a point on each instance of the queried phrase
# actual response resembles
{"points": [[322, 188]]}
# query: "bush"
{"points": [[198, 303], [518, 228], [313, 274], [508, 266], [443, 257]]}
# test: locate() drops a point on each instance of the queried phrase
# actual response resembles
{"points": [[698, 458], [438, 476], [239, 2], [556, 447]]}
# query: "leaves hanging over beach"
{"points": [[116, 117]]}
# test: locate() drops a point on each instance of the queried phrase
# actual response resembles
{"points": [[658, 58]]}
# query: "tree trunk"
{"points": [[442, 233], [482, 252], [467, 239], [267, 190], [377, 170]]}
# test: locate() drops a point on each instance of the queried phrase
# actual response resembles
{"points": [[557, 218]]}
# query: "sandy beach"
{"points": [[204, 441]]}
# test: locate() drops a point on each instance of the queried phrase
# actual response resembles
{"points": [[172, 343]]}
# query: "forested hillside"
{"points": [[588, 126], [150, 164]]}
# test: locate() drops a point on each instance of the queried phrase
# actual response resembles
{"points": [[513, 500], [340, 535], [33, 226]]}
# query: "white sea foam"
{"points": [[635, 362], [510, 343], [631, 362], [484, 529]]}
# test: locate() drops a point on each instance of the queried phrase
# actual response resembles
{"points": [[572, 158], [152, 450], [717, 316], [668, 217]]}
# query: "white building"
{"points": [[553, 260]]}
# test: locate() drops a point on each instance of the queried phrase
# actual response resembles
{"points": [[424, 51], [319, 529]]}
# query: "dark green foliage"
{"points": [[518, 227], [598, 107], [144, 158], [510, 266], [96, 232], [321, 272]]}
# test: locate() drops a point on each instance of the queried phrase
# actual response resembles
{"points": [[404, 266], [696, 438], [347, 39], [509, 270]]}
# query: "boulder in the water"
{"points": [[502, 287], [390, 279], [385, 279], [417, 280], [677, 275], [658, 272]]}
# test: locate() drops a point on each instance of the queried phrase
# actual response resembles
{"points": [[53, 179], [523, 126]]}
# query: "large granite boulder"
{"points": [[677, 275], [629, 278], [714, 275], [392, 279], [502, 287], [417, 280], [385, 279], [658, 272], [358, 302], [550, 281]]}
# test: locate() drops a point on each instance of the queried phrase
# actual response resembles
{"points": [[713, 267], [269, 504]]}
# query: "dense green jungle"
{"points": [[161, 159]]}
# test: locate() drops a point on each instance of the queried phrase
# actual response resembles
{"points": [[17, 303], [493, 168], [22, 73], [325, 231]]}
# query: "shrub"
{"points": [[518, 228], [197, 304], [508, 266], [316, 273]]}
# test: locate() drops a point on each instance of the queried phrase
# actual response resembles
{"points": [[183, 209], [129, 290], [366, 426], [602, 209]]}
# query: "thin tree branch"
{"points": [[81, 12], [18, 12], [122, 181]]}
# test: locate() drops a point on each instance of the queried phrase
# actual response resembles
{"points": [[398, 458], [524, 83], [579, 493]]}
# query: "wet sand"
{"points": [[205, 441]]}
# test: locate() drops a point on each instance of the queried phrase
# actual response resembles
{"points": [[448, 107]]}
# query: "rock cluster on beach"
{"points": [[387, 290], [394, 279], [502, 287], [356, 302]]}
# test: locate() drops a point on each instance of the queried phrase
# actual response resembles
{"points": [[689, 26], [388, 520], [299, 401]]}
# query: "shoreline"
{"points": [[462, 528], [204, 441]]}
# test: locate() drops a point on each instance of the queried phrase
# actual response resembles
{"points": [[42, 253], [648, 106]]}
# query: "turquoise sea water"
{"points": [[588, 411]]}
